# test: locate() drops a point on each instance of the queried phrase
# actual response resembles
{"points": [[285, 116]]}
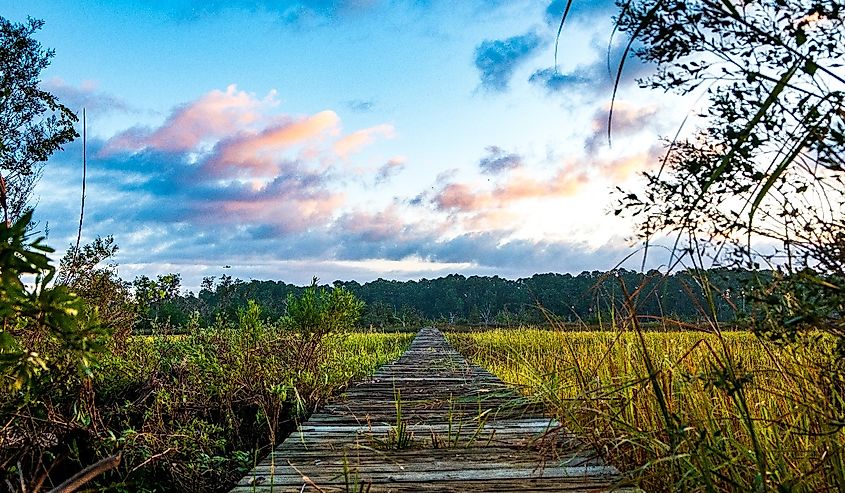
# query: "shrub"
{"points": [[315, 314], [49, 340]]}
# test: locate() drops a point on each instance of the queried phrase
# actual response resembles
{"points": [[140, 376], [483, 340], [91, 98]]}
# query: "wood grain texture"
{"points": [[461, 429]]}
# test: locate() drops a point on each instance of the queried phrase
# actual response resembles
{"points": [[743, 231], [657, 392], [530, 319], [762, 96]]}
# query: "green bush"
{"points": [[311, 317], [49, 342], [44, 328]]}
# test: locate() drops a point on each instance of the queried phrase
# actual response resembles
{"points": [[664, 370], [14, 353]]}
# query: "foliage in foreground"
{"points": [[685, 411], [187, 413], [42, 328], [761, 180], [165, 413]]}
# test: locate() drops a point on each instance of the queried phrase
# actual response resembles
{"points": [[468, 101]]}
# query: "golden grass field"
{"points": [[684, 410]]}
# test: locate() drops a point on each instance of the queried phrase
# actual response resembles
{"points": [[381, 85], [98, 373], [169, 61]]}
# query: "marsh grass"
{"points": [[190, 412], [245, 391], [684, 411]]}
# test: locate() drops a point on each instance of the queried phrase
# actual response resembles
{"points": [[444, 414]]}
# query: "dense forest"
{"points": [[589, 297]]}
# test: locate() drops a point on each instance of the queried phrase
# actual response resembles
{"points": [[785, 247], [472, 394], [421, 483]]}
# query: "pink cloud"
{"points": [[378, 226], [623, 168], [235, 160], [464, 198], [458, 196], [565, 183], [494, 219], [356, 141], [297, 131], [214, 115], [256, 154]]}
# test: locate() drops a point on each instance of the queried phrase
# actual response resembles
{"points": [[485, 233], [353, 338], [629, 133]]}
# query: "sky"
{"points": [[345, 139]]}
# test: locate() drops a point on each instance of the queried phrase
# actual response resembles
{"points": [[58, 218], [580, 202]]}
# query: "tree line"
{"points": [[591, 297]]}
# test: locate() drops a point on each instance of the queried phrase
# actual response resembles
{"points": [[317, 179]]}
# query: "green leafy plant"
{"points": [[399, 437], [159, 304], [91, 273], [321, 311], [44, 328], [49, 344], [315, 314]]}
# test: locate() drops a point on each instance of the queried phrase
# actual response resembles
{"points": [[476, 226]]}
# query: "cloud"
{"points": [[386, 225], [155, 188], [214, 115], [461, 197], [565, 183], [85, 96], [496, 60], [476, 207], [492, 220], [233, 134], [173, 217], [497, 160], [488, 249], [627, 120], [389, 169], [554, 81], [360, 105], [356, 141], [229, 160], [292, 203], [386, 235], [429, 257], [622, 168], [256, 153], [595, 78], [169, 217]]}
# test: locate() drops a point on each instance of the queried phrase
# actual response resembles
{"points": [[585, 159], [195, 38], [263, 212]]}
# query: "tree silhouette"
{"points": [[33, 124]]}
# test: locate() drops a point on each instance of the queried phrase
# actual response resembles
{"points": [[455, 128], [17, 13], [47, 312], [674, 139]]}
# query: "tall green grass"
{"points": [[684, 411], [191, 412], [195, 412]]}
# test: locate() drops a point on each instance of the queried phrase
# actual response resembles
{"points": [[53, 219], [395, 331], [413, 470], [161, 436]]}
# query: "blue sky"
{"points": [[348, 139]]}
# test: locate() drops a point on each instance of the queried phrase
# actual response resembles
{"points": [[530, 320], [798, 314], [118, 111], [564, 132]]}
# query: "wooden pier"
{"points": [[431, 421]]}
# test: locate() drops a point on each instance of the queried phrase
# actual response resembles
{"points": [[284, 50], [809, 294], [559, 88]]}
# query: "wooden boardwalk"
{"points": [[430, 421]]}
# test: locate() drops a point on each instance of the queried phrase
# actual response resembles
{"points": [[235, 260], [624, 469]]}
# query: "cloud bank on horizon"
{"points": [[359, 185]]}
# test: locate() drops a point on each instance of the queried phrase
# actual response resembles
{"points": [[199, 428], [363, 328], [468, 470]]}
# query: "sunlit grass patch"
{"points": [[712, 413]]}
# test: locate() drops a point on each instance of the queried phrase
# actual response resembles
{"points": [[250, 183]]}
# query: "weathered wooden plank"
{"points": [[289, 475], [419, 463], [533, 425], [454, 468], [521, 485], [461, 429]]}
